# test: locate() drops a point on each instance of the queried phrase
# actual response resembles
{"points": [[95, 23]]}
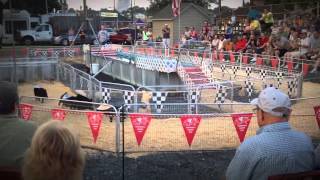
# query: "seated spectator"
{"points": [[262, 43], [241, 43], [255, 26], [221, 42], [304, 46], [55, 153], [228, 45], [252, 44], [215, 42], [281, 45], [247, 28], [267, 20], [15, 134], [194, 34], [276, 149]]}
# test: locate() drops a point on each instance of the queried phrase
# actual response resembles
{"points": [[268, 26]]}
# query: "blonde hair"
{"points": [[55, 154]]}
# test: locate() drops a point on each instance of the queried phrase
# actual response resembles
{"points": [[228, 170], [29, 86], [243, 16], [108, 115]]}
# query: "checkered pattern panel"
{"points": [[279, 78], [248, 71], [128, 97], [223, 67], [194, 96], [263, 74], [235, 70], [106, 95], [249, 88], [292, 87], [221, 95], [158, 98]]}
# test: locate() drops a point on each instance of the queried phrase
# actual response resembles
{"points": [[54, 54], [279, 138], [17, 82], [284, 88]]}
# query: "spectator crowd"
{"points": [[291, 39]]}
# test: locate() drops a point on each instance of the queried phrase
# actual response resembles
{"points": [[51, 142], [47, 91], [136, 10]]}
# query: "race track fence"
{"points": [[165, 132]]}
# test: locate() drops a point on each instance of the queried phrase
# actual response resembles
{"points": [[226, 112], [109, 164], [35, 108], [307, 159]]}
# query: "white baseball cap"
{"points": [[273, 101]]}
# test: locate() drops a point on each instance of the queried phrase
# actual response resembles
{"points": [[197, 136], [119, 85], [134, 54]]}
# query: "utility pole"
{"points": [[85, 9], [47, 11]]}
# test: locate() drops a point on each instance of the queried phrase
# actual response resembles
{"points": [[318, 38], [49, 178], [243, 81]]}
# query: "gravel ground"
{"points": [[186, 165]]}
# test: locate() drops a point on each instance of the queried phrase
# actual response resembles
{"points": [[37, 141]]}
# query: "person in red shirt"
{"points": [[263, 40], [194, 34], [241, 43]]}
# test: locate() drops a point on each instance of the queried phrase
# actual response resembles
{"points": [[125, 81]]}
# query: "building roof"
{"points": [[166, 12]]}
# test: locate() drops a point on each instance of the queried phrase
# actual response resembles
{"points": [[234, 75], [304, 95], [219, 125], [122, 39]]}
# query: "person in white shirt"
{"points": [[304, 46], [103, 35], [221, 43]]}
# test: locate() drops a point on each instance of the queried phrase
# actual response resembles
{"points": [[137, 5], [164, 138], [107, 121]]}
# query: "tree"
{"points": [[156, 5], [134, 9], [34, 7]]}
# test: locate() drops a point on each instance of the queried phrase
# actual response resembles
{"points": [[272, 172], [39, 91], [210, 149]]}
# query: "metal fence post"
{"points": [[117, 132]]}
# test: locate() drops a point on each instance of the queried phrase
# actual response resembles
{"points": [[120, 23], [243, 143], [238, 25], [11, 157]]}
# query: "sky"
{"points": [[98, 4]]}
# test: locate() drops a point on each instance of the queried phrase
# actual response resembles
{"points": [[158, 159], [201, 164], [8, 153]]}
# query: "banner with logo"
{"points": [[25, 111], [317, 113], [58, 114], [241, 123], [190, 125], [140, 123], [94, 120]]}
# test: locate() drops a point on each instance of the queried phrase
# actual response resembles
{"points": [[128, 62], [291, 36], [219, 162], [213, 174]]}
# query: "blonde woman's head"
{"points": [[55, 153]]}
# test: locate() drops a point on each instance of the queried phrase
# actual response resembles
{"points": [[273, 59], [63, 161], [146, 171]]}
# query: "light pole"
{"points": [[46, 6]]}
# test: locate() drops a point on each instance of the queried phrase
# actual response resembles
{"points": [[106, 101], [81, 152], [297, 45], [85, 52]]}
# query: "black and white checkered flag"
{"points": [[223, 67], [128, 97], [106, 95], [263, 74], [249, 88], [194, 96], [279, 78], [159, 98], [292, 86], [248, 71], [235, 70], [221, 95]]}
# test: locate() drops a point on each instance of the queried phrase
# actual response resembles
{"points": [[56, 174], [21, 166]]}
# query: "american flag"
{"points": [[176, 7]]}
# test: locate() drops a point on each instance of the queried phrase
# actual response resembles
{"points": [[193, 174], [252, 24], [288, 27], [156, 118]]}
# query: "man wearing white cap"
{"points": [[276, 149]]}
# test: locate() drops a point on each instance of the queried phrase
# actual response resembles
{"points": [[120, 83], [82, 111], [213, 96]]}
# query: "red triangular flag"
{"points": [[58, 114], [290, 66], [190, 125], [221, 56], [94, 120], [140, 123], [274, 62], [317, 113], [25, 111], [204, 55], [259, 61], [245, 59], [232, 59], [241, 123], [214, 56], [305, 69]]}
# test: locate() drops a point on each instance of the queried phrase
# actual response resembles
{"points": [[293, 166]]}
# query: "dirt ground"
{"points": [[164, 152]]}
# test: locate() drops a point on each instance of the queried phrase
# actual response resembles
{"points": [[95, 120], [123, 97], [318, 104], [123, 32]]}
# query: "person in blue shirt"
{"points": [[277, 148]]}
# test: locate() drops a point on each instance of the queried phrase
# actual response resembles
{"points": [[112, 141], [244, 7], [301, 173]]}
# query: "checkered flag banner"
{"points": [[159, 98], [263, 74], [292, 86], [249, 88], [194, 96], [128, 97], [223, 67], [106, 95], [221, 95], [279, 78], [248, 71], [235, 70]]}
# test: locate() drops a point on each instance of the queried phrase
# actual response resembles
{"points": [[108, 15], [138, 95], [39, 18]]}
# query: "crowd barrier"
{"points": [[148, 131]]}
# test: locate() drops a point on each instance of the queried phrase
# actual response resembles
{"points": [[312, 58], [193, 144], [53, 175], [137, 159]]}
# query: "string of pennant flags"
{"points": [[140, 122]]}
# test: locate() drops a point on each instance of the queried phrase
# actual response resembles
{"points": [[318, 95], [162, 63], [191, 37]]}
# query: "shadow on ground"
{"points": [[187, 165]]}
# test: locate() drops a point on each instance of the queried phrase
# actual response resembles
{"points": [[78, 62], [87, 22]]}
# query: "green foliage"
{"points": [[156, 5], [34, 7]]}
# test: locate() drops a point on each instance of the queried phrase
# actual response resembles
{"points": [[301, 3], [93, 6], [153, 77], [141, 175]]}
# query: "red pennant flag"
{"points": [[241, 123], [232, 59], [172, 52], [305, 69], [58, 114], [214, 56], [317, 113], [94, 120], [290, 66], [204, 55], [195, 54], [274, 62], [25, 111], [221, 56], [190, 125], [140, 123], [245, 59], [259, 61]]}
